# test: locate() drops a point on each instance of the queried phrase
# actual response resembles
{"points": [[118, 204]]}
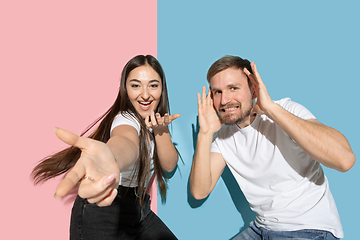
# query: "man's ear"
{"points": [[253, 93]]}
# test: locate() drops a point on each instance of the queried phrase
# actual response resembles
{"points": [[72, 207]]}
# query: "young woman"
{"points": [[114, 164]]}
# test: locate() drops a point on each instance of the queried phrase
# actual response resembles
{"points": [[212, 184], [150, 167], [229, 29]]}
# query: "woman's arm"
{"points": [[124, 144], [166, 150]]}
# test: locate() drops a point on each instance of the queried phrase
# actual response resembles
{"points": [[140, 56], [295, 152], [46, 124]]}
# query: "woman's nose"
{"points": [[145, 94]]}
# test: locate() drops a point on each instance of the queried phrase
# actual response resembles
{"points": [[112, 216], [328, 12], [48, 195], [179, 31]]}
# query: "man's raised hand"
{"points": [[208, 119]]}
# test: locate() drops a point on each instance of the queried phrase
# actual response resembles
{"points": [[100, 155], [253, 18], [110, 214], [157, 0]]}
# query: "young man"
{"points": [[274, 150]]}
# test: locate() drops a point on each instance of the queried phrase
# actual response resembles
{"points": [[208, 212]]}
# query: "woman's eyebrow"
{"points": [[136, 80], [155, 80]]}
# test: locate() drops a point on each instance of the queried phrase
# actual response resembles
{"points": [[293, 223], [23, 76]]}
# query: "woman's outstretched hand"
{"points": [[96, 171]]}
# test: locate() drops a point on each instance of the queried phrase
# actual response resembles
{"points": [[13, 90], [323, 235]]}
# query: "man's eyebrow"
{"points": [[213, 89], [234, 85], [230, 85]]}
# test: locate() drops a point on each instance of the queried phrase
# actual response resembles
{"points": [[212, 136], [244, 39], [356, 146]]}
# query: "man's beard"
{"points": [[230, 120]]}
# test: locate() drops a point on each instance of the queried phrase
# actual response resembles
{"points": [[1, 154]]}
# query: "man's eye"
{"points": [[234, 88]]}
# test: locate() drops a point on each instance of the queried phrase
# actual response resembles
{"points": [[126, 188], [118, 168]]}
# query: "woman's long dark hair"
{"points": [[61, 162]]}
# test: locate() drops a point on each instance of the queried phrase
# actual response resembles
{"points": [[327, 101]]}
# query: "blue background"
{"points": [[305, 50]]}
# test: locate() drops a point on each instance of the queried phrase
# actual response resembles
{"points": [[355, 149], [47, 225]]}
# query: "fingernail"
{"points": [[110, 179], [56, 196], [114, 192], [55, 129]]}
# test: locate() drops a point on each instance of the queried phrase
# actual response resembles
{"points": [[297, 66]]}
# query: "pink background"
{"points": [[60, 66]]}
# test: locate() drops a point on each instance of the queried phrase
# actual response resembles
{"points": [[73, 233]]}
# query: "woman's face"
{"points": [[144, 88]]}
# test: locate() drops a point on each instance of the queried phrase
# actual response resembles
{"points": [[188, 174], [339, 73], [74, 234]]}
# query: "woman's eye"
{"points": [[154, 85], [135, 85]]}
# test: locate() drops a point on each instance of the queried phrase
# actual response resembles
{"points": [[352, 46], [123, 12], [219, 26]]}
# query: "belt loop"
{"points": [[135, 188]]}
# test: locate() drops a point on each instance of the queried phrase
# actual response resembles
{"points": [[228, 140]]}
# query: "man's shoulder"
{"points": [[284, 101], [225, 132]]}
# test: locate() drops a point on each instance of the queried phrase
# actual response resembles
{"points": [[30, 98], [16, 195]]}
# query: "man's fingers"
{"points": [[209, 98], [252, 77], [256, 73], [254, 69], [199, 99], [204, 95]]}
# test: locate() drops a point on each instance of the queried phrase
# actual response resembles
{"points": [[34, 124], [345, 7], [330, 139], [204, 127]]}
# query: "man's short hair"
{"points": [[228, 61]]}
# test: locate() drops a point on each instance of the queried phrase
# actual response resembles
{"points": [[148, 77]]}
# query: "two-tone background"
{"points": [[60, 64]]}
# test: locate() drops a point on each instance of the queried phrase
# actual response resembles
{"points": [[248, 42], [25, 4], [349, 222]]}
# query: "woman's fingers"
{"points": [[95, 190], [161, 120], [165, 120], [70, 138], [156, 120], [108, 199], [174, 116], [153, 119], [70, 180]]}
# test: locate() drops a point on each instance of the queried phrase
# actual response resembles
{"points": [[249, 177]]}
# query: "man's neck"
{"points": [[247, 121]]}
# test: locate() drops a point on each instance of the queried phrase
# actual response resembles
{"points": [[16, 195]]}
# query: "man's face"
{"points": [[233, 99]]}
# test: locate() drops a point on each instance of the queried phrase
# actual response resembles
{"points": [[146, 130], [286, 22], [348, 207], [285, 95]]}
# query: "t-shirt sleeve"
{"points": [[214, 145], [295, 108], [126, 119]]}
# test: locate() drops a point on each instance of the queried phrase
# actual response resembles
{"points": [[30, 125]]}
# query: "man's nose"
{"points": [[224, 99]]}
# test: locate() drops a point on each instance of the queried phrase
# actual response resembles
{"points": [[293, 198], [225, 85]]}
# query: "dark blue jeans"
{"points": [[123, 219], [257, 233]]}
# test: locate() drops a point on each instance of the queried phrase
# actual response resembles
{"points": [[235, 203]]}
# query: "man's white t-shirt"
{"points": [[283, 184], [128, 177]]}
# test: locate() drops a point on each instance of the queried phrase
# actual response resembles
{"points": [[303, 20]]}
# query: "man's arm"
{"points": [[207, 167], [325, 144]]}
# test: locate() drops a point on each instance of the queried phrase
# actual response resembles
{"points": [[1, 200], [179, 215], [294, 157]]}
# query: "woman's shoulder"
{"points": [[126, 118]]}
